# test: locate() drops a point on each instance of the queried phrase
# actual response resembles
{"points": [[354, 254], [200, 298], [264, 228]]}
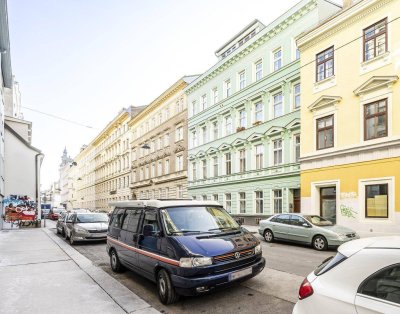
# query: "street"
{"points": [[272, 291]]}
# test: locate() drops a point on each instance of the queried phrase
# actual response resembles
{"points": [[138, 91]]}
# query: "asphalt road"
{"points": [[272, 291]]}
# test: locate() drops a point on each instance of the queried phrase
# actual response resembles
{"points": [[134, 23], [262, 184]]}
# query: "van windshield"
{"points": [[197, 219]]}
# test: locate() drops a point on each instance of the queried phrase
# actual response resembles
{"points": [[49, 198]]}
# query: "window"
{"points": [[153, 170], [131, 220], [204, 167], [147, 172], [166, 140], [204, 197], [376, 201], [141, 175], [242, 79], [215, 197], [259, 111], [277, 152], [228, 202], [203, 102], [242, 202], [242, 160], [179, 163], [277, 195], [375, 40], [215, 95], [324, 64], [296, 96], [215, 130], [179, 134], [296, 140], [215, 162], [297, 53], [259, 156], [166, 166], [277, 59], [325, 132], [159, 169], [259, 202], [194, 171], [258, 70], [194, 105], [180, 191], [278, 107], [194, 139], [204, 131], [242, 118], [228, 125], [375, 120], [159, 118], [228, 164], [228, 88], [384, 285]]}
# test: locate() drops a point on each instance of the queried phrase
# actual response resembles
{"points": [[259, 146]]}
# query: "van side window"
{"points": [[149, 231], [116, 218], [131, 220]]}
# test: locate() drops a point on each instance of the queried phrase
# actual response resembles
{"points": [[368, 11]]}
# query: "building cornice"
{"points": [[262, 37], [343, 20]]}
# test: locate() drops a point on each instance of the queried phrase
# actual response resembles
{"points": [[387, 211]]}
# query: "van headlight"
{"points": [[258, 249], [190, 262], [80, 230]]}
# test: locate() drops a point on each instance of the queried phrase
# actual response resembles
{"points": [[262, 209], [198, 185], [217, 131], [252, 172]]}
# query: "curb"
{"points": [[125, 298]]}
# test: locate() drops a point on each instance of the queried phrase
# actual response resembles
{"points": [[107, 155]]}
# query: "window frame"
{"points": [[324, 129], [376, 115], [374, 37], [387, 201], [228, 162], [295, 95], [276, 151], [242, 201], [258, 74], [259, 202], [324, 62], [275, 60], [242, 160]]}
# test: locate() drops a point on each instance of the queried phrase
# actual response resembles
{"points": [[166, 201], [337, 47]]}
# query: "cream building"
{"points": [[159, 146], [84, 178], [107, 163]]}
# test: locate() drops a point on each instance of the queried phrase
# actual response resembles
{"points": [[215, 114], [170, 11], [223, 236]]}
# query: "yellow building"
{"points": [[350, 113]]}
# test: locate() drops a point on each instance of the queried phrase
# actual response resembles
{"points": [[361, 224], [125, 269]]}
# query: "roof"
{"points": [[352, 247], [21, 139], [163, 203]]}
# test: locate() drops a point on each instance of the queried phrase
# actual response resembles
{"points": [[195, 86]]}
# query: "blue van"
{"points": [[187, 247]]}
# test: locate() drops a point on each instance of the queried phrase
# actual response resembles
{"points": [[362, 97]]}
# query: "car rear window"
{"points": [[329, 263]]}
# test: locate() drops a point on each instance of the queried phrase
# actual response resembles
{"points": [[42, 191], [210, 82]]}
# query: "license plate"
{"points": [[99, 235], [240, 273]]}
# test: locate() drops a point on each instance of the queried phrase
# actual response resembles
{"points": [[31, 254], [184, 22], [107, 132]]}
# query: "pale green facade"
{"points": [[247, 105]]}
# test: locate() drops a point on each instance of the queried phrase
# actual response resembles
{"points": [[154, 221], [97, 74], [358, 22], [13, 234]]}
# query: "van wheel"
{"points": [[166, 291], [65, 234], [268, 236], [58, 231], [116, 265], [319, 243]]}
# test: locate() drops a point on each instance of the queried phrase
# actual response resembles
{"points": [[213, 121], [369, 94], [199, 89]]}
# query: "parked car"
{"points": [[186, 247], [60, 226], [308, 229], [363, 277], [55, 213], [86, 226]]}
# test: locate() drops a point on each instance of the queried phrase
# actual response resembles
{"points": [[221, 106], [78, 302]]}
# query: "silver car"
{"points": [[308, 229], [86, 227]]}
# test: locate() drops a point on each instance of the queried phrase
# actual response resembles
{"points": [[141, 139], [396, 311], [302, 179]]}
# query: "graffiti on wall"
{"points": [[19, 207], [347, 211]]}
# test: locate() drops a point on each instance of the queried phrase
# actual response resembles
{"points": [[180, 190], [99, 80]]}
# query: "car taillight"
{"points": [[305, 289]]}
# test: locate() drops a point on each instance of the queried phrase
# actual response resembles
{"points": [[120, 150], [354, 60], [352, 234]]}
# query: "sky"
{"points": [[85, 60]]}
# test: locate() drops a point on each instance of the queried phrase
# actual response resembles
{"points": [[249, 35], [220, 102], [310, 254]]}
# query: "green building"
{"points": [[244, 118]]}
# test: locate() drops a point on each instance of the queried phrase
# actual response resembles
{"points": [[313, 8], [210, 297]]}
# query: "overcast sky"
{"points": [[85, 60]]}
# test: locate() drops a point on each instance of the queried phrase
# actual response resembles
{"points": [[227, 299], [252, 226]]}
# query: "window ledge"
{"points": [[375, 63], [324, 84]]}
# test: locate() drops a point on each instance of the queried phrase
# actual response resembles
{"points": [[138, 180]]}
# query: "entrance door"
{"points": [[328, 203], [296, 200]]}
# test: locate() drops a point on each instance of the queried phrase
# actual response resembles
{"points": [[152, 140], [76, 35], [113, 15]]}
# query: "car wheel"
{"points": [[320, 243], [166, 291], [268, 236], [116, 265]]}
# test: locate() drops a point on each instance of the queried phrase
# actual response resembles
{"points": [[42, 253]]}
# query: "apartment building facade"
{"points": [[84, 178], [159, 146], [350, 167], [244, 118], [108, 161]]}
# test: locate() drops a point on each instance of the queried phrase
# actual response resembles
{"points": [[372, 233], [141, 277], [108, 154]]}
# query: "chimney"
{"points": [[347, 4]]}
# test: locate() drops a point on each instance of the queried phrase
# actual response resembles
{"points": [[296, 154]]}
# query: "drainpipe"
{"points": [[38, 159]]}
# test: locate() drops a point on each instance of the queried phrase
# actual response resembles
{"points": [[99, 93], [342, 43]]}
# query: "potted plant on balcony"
{"points": [[240, 128], [257, 122]]}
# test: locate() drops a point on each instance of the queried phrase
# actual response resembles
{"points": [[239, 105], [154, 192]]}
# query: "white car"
{"points": [[363, 277]]}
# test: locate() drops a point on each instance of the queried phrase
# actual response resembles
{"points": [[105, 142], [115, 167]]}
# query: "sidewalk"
{"points": [[41, 273]]}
